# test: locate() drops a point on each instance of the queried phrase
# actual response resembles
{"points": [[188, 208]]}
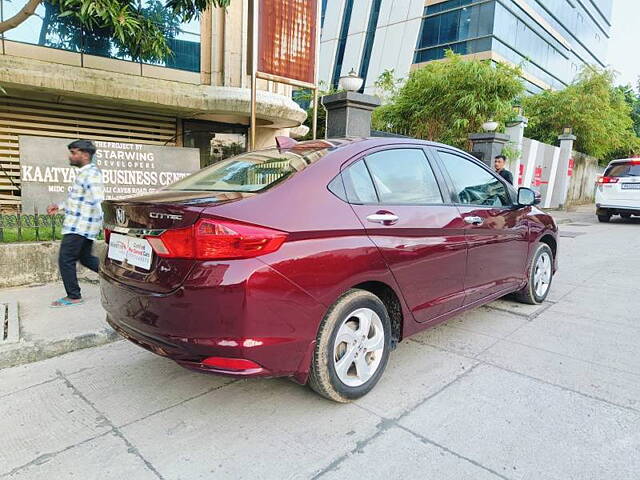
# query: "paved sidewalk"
{"points": [[505, 392], [46, 332]]}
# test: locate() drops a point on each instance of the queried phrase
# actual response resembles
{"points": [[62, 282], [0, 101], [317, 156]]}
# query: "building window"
{"points": [[342, 42], [324, 12], [368, 41], [47, 29], [465, 23], [461, 48], [216, 141]]}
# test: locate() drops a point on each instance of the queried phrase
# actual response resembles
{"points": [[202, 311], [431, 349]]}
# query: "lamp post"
{"points": [[350, 82]]}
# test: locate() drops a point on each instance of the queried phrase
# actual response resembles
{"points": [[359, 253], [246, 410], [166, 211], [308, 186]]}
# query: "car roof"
{"points": [[623, 160]]}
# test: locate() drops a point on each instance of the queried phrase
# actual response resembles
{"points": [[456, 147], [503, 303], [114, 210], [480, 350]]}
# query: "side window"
{"points": [[473, 184], [357, 183], [404, 176]]}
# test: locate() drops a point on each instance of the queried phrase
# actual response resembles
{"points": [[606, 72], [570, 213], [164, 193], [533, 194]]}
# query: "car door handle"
{"points": [[474, 220], [384, 218]]}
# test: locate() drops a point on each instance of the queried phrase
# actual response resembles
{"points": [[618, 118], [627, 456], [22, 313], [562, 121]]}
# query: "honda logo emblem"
{"points": [[121, 217]]}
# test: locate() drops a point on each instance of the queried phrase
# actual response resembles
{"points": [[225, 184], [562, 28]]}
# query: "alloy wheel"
{"points": [[358, 347], [542, 274]]}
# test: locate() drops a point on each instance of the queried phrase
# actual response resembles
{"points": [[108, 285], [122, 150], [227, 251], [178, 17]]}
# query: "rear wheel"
{"points": [[352, 347], [626, 216], [540, 276], [604, 218]]}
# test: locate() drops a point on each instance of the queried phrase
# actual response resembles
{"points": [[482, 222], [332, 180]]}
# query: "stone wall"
{"points": [[36, 262], [582, 186]]}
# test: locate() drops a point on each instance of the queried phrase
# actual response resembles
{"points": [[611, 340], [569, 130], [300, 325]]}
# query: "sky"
{"points": [[624, 54]]}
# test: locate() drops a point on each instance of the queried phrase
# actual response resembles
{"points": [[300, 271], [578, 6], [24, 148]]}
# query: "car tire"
{"points": [[341, 336], [604, 218], [540, 270], [626, 216]]}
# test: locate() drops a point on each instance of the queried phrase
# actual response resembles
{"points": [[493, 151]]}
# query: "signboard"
{"points": [[287, 39], [128, 169]]}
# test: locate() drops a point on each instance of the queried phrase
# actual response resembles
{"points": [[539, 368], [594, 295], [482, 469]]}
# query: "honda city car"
{"points": [[618, 190], [312, 260]]}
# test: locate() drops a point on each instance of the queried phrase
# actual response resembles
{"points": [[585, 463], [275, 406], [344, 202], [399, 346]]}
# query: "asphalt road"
{"points": [[505, 391]]}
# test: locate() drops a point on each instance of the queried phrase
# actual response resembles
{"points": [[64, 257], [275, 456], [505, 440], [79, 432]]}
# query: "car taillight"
{"points": [[107, 235], [602, 180], [212, 239]]}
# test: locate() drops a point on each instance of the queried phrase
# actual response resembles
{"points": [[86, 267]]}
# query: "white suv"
{"points": [[618, 190]]}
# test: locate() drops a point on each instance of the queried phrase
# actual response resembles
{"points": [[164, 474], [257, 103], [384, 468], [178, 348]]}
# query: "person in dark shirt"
{"points": [[499, 164]]}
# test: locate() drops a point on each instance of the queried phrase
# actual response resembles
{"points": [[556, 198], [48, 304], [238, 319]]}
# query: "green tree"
{"points": [[387, 85], [633, 100], [445, 101], [595, 109], [138, 32]]}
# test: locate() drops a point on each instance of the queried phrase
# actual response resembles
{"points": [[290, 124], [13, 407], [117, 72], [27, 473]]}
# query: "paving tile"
{"points": [[606, 383], [249, 428], [414, 372], [126, 388], [512, 306], [488, 321], [106, 458], [399, 454], [582, 338], [619, 306], [42, 420], [524, 429], [455, 340]]}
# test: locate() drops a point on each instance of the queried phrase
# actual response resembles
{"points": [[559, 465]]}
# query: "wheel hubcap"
{"points": [[542, 275], [358, 347]]}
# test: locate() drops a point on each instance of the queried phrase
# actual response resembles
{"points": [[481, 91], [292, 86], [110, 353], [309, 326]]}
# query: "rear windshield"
{"points": [[249, 172], [623, 170]]}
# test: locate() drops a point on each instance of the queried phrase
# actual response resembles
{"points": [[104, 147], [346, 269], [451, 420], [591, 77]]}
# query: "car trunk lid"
{"points": [[131, 221]]}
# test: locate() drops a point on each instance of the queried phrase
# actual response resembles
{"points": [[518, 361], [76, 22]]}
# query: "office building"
{"points": [[65, 82], [551, 39]]}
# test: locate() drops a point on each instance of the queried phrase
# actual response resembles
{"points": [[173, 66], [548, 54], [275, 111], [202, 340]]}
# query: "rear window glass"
{"points": [[249, 172], [623, 170]]}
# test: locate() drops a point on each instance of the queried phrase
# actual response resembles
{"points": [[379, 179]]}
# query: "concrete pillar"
{"points": [[349, 114], [515, 130], [561, 180], [487, 145]]}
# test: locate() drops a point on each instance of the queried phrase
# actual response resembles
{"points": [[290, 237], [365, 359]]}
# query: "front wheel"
{"points": [[626, 216], [604, 218], [540, 276], [352, 347]]}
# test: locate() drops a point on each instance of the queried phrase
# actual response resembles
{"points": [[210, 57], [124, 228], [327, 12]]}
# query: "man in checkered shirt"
{"points": [[82, 220]]}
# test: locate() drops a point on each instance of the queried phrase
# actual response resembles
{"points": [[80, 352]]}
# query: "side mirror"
{"points": [[528, 197]]}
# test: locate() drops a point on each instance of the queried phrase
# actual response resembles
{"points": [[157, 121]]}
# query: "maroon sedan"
{"points": [[314, 259]]}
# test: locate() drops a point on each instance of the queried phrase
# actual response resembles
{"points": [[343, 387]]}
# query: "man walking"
{"points": [[82, 220], [499, 163]]}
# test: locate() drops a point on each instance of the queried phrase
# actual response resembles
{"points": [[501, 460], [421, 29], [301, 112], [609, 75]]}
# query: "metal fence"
{"points": [[20, 227]]}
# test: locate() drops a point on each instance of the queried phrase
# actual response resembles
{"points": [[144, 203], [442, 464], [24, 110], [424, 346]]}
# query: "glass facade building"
{"points": [[46, 29], [551, 39]]}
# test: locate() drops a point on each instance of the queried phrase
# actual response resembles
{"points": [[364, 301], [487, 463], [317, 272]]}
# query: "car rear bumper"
{"points": [[250, 313], [617, 208]]}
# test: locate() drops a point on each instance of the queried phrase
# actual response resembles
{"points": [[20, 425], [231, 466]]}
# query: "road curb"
{"points": [[28, 352]]}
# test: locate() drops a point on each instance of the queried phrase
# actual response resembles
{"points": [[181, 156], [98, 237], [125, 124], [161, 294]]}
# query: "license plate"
{"points": [[630, 186], [135, 251]]}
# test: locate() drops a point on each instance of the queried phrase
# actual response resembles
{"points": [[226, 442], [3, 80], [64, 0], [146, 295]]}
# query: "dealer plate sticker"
{"points": [[136, 251]]}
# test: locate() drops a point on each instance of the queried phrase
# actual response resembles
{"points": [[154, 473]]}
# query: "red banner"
{"points": [[287, 38]]}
